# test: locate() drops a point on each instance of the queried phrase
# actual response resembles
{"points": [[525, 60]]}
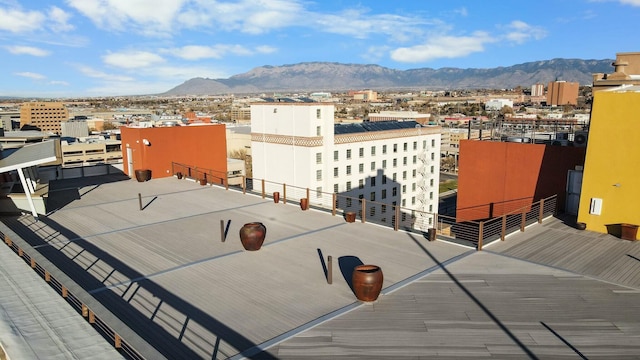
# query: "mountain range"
{"points": [[328, 76]]}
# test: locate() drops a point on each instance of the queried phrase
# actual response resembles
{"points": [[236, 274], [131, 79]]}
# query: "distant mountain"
{"points": [[326, 76]]}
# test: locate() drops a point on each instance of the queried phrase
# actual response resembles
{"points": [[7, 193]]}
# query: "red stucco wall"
{"points": [[201, 146], [499, 177]]}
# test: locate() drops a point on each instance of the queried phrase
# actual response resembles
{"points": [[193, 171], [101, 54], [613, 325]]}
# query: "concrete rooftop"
{"points": [[163, 278]]}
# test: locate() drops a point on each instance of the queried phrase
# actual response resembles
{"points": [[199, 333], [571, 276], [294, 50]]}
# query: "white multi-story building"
{"points": [[382, 163], [497, 104]]}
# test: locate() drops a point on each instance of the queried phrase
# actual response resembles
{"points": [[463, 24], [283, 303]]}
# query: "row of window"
{"points": [[405, 146], [349, 203]]}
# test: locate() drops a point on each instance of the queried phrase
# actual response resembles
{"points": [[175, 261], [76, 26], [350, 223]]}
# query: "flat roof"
{"points": [[152, 260]]}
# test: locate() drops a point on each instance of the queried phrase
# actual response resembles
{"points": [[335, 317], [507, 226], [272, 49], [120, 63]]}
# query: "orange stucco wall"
{"points": [[499, 177], [202, 146]]}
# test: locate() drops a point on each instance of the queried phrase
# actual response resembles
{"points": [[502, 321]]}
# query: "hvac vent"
{"points": [[580, 138], [560, 142]]}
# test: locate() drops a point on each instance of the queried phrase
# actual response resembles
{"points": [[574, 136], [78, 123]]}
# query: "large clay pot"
{"points": [[143, 175], [367, 282], [350, 216], [179, 175], [628, 231], [252, 235], [304, 203], [276, 197], [203, 181]]}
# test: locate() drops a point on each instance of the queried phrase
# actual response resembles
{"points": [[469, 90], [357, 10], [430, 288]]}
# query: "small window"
{"points": [[372, 211], [335, 172], [318, 113], [336, 155], [318, 130], [415, 145], [430, 208], [384, 179], [319, 192], [404, 147], [373, 151], [348, 169], [348, 202], [404, 189], [413, 173], [395, 148], [318, 158], [384, 164], [361, 184], [348, 153], [431, 195], [413, 187], [335, 188], [433, 142], [394, 176], [373, 165], [431, 182], [404, 203], [361, 168], [275, 111], [348, 185], [372, 196], [432, 169], [404, 161], [394, 191], [318, 174], [415, 159], [404, 175], [383, 209], [384, 149], [433, 156], [395, 162], [413, 200], [383, 193], [361, 152]]}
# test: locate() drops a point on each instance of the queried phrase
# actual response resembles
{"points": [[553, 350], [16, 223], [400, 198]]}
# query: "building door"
{"points": [[574, 184], [129, 161]]}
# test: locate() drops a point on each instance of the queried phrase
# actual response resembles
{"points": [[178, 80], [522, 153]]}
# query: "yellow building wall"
{"points": [[612, 164]]}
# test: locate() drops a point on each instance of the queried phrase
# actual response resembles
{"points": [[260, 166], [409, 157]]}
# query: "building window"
{"points": [[275, 111], [413, 200], [433, 156], [404, 147], [431, 182], [383, 209], [433, 142], [404, 175], [424, 144], [394, 191], [404, 161], [395, 148], [360, 196], [415, 145], [318, 174], [413, 173], [348, 169], [384, 164], [413, 187], [335, 188], [383, 193], [348, 202], [431, 195], [384, 149], [372, 211], [361, 152], [319, 192], [318, 113], [361, 168], [361, 184], [394, 177], [404, 215], [318, 130], [373, 151], [373, 165], [415, 159], [318, 158], [432, 169], [384, 179], [336, 155], [348, 185], [395, 162], [348, 153], [430, 208], [404, 189], [335, 172], [372, 196], [404, 203], [373, 181]]}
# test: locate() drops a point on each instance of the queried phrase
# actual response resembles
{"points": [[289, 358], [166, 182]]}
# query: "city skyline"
{"points": [[77, 48]]}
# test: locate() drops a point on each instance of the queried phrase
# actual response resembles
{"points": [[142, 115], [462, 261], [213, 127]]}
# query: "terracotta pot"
{"points": [[350, 216], [276, 197], [179, 175], [304, 203], [252, 235], [628, 231], [143, 175], [367, 282], [203, 182]]}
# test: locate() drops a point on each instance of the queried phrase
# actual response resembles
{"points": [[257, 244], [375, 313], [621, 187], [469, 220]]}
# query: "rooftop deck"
{"points": [[163, 278]]}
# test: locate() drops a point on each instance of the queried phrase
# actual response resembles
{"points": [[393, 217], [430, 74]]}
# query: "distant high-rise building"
{"points": [[562, 93], [537, 90], [47, 116]]}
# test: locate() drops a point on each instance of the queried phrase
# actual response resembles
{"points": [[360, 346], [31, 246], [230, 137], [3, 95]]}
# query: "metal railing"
{"points": [[517, 213]]}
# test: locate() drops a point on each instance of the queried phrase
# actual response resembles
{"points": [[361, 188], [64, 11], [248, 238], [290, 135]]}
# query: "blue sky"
{"points": [[86, 48]]}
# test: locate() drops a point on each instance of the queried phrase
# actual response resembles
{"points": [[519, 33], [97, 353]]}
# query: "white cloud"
{"points": [[27, 50], [132, 59], [59, 20], [97, 74], [520, 32], [58, 83], [198, 52], [630, 2], [31, 75], [18, 21], [443, 46], [266, 49], [375, 53]]}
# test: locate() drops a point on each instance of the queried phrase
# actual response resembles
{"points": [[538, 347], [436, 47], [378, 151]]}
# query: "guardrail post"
{"points": [[333, 204], [244, 184], [480, 235], [523, 221], [33, 263], [117, 341], [363, 211], [396, 225], [308, 196], [503, 232], [541, 212], [284, 193], [263, 188]]}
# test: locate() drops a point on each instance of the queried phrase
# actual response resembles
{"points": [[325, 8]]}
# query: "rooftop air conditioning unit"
{"points": [[560, 142], [580, 138]]}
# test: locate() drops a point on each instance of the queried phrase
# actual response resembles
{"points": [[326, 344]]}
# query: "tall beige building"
{"points": [[47, 116], [626, 72], [562, 93]]}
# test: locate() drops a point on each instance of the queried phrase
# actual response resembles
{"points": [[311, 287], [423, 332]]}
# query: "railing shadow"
{"points": [[170, 346]]}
